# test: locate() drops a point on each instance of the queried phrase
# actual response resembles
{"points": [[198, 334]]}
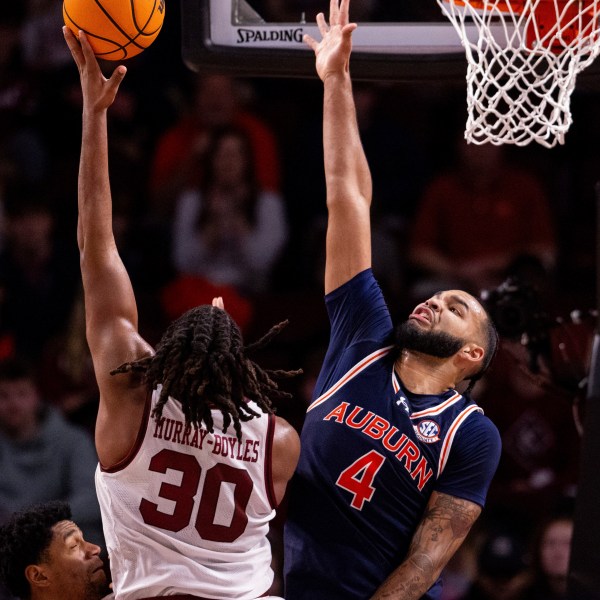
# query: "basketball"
{"points": [[116, 29]]}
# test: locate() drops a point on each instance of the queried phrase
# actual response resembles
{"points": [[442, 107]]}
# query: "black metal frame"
{"points": [[200, 54]]}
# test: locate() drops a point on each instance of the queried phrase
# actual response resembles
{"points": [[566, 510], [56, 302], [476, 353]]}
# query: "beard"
{"points": [[433, 343]]}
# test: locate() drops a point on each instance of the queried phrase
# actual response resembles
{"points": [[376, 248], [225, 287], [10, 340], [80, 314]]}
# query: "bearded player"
{"points": [[395, 462]]}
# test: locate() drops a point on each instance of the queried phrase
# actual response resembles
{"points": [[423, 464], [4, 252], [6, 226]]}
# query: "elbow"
{"points": [[80, 237], [345, 198]]}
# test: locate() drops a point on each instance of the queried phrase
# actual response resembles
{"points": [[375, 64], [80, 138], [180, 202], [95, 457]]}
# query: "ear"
{"points": [[37, 576], [472, 353]]}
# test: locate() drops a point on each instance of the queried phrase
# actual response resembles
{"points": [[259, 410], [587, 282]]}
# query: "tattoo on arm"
{"points": [[444, 526]]}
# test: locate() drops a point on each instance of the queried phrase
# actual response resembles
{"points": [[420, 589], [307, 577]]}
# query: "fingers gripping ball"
{"points": [[116, 29]]}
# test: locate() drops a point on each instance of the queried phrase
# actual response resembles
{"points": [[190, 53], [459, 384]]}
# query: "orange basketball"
{"points": [[116, 29]]}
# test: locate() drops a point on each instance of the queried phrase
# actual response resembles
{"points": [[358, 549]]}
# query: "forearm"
{"points": [[410, 580], [346, 169], [443, 528], [95, 207], [107, 287]]}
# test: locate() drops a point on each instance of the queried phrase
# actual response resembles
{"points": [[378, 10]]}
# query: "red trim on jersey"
{"points": [[269, 462], [451, 433], [355, 370], [395, 383], [435, 410], [138, 440]]}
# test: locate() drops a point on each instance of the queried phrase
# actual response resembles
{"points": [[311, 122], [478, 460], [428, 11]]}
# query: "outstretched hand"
{"points": [[333, 51], [98, 91]]}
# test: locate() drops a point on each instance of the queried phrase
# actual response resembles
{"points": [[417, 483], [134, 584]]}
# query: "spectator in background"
{"points": [[475, 220], [550, 560], [217, 101], [38, 274], [66, 372], [41, 45], [44, 556], [22, 150], [540, 443], [230, 230], [501, 569], [42, 457]]}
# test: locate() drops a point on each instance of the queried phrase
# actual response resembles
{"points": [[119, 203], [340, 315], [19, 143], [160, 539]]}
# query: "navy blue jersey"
{"points": [[372, 453]]}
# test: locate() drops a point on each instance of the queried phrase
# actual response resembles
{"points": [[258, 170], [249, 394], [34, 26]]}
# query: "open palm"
{"points": [[333, 51]]}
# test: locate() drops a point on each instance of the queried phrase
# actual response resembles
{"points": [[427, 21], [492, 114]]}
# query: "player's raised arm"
{"points": [[347, 173], [110, 307]]}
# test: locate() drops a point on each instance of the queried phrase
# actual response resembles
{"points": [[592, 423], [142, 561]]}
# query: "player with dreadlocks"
{"points": [[186, 506], [382, 518], [201, 361]]}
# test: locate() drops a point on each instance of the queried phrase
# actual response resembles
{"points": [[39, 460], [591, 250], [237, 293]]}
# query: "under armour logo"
{"points": [[402, 402]]}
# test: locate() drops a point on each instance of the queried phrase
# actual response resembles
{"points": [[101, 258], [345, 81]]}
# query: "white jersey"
{"points": [[188, 511]]}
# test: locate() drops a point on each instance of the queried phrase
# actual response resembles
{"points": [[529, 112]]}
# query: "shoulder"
{"points": [[479, 427], [285, 438], [478, 440], [363, 282], [286, 449]]}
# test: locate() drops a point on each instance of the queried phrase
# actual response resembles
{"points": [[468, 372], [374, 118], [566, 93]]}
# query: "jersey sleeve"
{"points": [[360, 324], [473, 460]]}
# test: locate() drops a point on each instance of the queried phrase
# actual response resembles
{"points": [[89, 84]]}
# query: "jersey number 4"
{"points": [[358, 478], [183, 497]]}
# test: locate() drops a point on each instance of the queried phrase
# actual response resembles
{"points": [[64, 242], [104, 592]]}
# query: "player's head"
{"points": [[43, 555], [19, 397], [202, 362], [452, 325]]}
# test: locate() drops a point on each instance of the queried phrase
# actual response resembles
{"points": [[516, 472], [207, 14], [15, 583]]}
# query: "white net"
{"points": [[523, 64]]}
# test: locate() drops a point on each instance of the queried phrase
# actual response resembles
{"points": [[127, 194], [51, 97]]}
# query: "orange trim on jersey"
{"points": [[270, 488], [451, 433], [436, 410], [138, 440], [395, 382], [353, 372]]}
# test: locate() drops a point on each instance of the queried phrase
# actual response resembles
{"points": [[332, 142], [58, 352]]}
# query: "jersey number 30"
{"points": [[183, 496], [358, 478]]}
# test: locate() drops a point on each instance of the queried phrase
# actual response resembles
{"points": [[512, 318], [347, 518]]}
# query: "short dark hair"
{"points": [[24, 540], [491, 341]]}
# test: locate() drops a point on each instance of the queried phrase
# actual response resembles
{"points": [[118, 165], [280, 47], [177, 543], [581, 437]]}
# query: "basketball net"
{"points": [[523, 65]]}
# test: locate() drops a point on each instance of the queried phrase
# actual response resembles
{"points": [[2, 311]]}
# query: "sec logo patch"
{"points": [[427, 431]]}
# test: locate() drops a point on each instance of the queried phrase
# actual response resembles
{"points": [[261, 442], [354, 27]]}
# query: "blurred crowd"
{"points": [[218, 189]]}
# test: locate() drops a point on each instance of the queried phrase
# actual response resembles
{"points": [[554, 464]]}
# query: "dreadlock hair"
{"points": [[491, 347], [201, 362], [25, 539]]}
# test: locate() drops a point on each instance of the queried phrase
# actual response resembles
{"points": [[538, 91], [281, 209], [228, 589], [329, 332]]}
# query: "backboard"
{"points": [[255, 38]]}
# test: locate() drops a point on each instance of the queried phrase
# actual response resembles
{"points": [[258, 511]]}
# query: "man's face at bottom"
{"points": [[74, 566]]}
